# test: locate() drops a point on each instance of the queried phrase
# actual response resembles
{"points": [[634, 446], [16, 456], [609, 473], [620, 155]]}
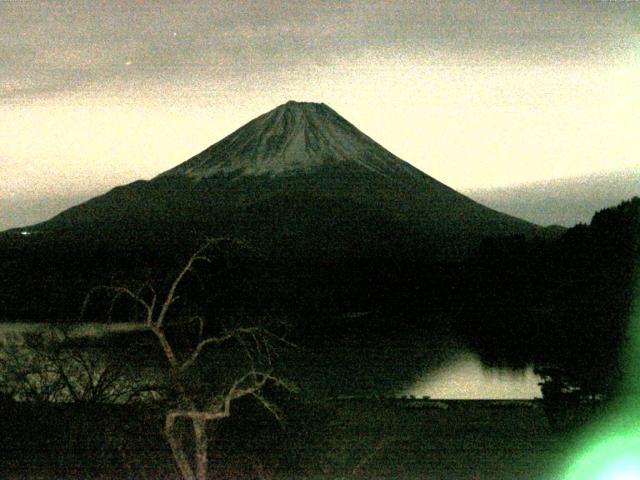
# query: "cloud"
{"points": [[48, 47]]}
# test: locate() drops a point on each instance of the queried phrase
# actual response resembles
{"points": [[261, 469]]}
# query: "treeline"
{"points": [[564, 303], [45, 278]]}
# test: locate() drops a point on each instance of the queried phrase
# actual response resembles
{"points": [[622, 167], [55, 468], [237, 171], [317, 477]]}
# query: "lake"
{"points": [[464, 377], [413, 365]]}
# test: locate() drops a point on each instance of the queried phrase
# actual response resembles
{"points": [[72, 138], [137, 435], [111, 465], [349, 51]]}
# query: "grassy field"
{"points": [[435, 440], [348, 439]]}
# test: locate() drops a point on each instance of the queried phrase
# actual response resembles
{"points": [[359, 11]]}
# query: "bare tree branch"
{"points": [[171, 295], [195, 402], [193, 357], [119, 291]]}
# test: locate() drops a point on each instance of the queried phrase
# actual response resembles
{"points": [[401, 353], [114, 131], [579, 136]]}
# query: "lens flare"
{"points": [[610, 449], [616, 458]]}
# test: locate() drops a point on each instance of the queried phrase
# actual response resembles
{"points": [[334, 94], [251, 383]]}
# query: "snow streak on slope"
{"points": [[293, 137]]}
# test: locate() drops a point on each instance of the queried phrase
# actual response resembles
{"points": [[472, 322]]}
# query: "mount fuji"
{"points": [[298, 182]]}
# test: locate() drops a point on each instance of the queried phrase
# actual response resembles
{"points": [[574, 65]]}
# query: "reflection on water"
{"points": [[465, 378]]}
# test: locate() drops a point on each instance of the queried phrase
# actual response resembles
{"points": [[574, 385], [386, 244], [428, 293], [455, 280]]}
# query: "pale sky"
{"points": [[474, 93]]}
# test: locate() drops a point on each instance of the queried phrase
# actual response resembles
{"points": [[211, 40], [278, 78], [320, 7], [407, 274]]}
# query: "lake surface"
{"points": [[95, 330], [440, 368], [466, 378]]}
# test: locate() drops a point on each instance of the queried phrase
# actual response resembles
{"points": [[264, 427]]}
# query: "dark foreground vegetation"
{"points": [[562, 304], [359, 439]]}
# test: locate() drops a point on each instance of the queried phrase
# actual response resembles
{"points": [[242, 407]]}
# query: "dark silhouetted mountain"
{"points": [[565, 201], [331, 219], [298, 182]]}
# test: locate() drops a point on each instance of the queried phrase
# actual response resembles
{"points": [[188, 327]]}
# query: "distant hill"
{"points": [[565, 202], [17, 211]]}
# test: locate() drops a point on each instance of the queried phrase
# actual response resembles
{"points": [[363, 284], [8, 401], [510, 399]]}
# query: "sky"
{"points": [[475, 93]]}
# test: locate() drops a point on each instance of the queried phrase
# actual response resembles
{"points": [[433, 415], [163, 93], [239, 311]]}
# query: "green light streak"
{"points": [[610, 449]]}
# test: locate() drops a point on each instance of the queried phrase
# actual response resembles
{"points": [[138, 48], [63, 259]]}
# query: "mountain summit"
{"points": [[294, 137]]}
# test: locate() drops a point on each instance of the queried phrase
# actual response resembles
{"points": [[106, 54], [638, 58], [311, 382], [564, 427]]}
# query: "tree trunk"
{"points": [[176, 448], [200, 432]]}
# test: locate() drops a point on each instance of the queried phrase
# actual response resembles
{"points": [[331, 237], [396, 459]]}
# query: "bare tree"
{"points": [[41, 366], [199, 406]]}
